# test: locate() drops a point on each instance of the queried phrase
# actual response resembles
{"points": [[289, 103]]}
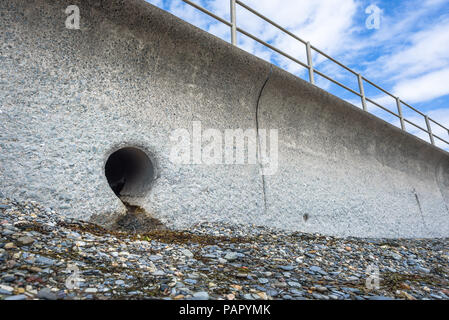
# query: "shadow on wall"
{"points": [[442, 176]]}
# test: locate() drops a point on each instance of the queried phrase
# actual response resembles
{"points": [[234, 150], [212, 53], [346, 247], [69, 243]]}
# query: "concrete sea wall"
{"points": [[133, 74]]}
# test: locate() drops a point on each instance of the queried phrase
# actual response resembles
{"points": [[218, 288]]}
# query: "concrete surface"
{"points": [[347, 172], [133, 74]]}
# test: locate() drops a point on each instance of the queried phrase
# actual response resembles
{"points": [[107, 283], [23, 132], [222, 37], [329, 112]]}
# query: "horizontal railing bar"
{"points": [[378, 87], [361, 78], [333, 60], [337, 83], [417, 126], [439, 124], [293, 35], [272, 48], [440, 138], [270, 22], [407, 105], [208, 12], [323, 54], [382, 107]]}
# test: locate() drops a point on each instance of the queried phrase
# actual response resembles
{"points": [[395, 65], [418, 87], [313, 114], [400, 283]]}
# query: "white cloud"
{"points": [[414, 63], [428, 50], [311, 20], [413, 42], [434, 2], [425, 88]]}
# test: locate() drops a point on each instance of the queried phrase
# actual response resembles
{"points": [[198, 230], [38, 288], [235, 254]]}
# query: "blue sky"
{"points": [[408, 54]]}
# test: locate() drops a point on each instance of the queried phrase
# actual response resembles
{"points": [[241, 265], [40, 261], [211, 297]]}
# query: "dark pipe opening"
{"points": [[130, 172]]}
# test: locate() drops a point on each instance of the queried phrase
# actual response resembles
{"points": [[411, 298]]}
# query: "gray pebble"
{"points": [[45, 260], [16, 297], [422, 269], [231, 256], [46, 294], [201, 295], [294, 284], [287, 268]]}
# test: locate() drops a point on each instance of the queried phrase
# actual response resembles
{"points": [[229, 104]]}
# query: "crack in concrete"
{"points": [[420, 208], [440, 183], [258, 137]]}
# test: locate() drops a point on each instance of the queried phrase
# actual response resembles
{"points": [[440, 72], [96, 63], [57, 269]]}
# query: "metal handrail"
{"points": [[312, 70], [271, 47]]}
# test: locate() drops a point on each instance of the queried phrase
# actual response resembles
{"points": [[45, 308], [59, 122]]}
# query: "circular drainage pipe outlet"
{"points": [[130, 172]]}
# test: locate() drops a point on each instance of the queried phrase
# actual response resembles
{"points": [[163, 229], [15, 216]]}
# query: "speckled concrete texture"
{"points": [[347, 173], [133, 73], [129, 77]]}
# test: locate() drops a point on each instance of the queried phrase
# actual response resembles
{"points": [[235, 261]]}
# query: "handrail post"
{"points": [[309, 49], [362, 91], [429, 129], [234, 23], [401, 117], [310, 63]]}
